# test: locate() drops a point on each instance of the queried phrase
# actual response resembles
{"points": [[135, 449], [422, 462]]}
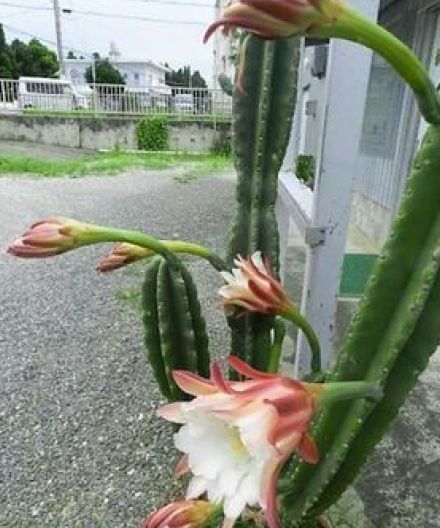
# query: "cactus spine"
{"points": [[262, 120], [390, 340], [175, 332]]}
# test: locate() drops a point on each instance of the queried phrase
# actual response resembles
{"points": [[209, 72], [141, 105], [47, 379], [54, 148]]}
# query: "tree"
{"points": [[33, 59], [6, 67], [105, 73], [183, 77], [197, 81]]}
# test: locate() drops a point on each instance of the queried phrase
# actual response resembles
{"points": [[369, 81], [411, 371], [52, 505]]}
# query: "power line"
{"points": [[115, 15], [30, 7], [140, 18], [43, 39], [174, 2]]}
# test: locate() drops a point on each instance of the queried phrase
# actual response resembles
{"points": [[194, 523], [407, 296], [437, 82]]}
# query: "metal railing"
{"points": [[59, 96]]}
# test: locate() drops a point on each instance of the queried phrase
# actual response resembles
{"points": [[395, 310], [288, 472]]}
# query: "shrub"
{"points": [[221, 146], [305, 168], [152, 133]]}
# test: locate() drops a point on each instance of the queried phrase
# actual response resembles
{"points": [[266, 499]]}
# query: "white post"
{"points": [[346, 90], [58, 33]]}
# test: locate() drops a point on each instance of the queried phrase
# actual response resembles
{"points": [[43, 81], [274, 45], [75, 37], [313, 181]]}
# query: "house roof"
{"points": [[122, 62]]}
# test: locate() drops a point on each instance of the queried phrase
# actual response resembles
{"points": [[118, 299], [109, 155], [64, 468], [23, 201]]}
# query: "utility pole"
{"points": [[57, 13]]}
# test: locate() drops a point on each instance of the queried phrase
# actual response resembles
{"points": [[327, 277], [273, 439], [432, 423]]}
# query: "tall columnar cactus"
{"points": [[394, 333], [175, 331], [263, 109]]}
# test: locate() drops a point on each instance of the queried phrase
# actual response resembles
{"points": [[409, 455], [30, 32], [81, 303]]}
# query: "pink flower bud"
{"points": [[48, 237], [122, 255], [273, 19], [180, 514]]}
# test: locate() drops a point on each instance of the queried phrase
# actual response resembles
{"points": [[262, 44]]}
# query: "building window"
{"points": [[136, 76], [125, 76]]}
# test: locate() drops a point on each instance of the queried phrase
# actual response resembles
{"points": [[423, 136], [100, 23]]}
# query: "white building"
{"points": [[138, 74]]}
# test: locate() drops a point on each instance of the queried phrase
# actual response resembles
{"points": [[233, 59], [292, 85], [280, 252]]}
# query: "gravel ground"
{"points": [[36, 150], [80, 445]]}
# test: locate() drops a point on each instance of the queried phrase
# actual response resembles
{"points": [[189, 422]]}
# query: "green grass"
{"points": [[114, 162]]}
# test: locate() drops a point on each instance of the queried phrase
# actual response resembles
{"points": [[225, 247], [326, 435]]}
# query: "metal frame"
{"points": [[325, 226]]}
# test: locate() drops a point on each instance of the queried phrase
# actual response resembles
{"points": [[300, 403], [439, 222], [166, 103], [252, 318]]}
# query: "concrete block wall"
{"points": [[106, 132]]}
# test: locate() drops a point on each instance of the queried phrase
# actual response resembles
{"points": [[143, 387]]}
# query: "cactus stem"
{"points": [[294, 316]]}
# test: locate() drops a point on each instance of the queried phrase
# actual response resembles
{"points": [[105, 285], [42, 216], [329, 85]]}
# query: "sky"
{"points": [[173, 41]]}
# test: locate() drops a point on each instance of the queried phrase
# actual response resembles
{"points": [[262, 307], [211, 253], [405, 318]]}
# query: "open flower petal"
{"points": [[236, 436], [251, 286]]}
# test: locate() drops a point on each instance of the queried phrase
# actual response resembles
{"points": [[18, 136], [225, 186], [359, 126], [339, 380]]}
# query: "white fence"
{"points": [[55, 96]]}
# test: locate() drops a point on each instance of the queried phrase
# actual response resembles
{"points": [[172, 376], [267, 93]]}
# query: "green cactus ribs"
{"points": [[175, 331], [396, 330], [263, 113]]}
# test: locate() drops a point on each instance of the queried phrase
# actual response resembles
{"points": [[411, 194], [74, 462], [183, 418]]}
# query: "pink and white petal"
{"points": [[251, 306], [241, 279], [218, 380], [249, 486], [257, 260], [285, 437], [155, 519], [263, 292], [182, 466], [234, 505], [192, 383], [173, 412], [196, 487], [228, 277], [246, 370], [308, 449], [230, 478], [255, 428], [228, 523], [268, 498]]}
